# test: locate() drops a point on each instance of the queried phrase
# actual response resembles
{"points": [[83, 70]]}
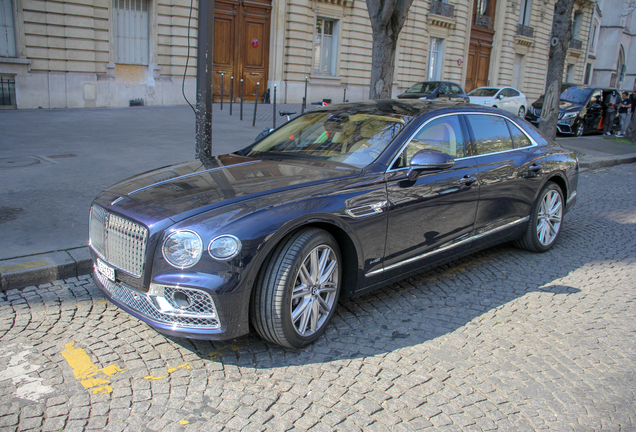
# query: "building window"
{"points": [[569, 76], [130, 31], [524, 13], [435, 58], [588, 72], [7, 31], [517, 71], [326, 46], [593, 42], [576, 25]]}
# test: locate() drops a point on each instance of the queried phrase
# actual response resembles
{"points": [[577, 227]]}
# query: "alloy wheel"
{"points": [[315, 291], [549, 217]]}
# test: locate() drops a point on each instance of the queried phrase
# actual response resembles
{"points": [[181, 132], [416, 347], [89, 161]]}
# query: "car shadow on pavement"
{"points": [[447, 299]]}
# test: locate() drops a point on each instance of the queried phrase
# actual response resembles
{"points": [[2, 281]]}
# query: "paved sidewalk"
{"points": [[54, 162]]}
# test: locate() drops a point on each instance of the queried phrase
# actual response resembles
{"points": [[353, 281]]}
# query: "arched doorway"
{"points": [[241, 47]]}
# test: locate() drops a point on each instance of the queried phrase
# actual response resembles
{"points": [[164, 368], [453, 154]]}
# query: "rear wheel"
{"points": [[297, 293], [546, 220], [522, 112]]}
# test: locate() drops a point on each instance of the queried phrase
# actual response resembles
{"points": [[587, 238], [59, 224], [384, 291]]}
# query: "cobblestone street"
{"points": [[501, 340]]}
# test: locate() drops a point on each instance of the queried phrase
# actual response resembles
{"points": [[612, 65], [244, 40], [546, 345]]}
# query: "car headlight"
{"points": [[570, 115], [224, 247], [183, 248]]}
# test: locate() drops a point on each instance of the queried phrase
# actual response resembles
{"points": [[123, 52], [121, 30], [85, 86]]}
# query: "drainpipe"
{"points": [[205, 61]]}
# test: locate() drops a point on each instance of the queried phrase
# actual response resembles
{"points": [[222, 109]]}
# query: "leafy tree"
{"points": [[387, 18], [559, 43]]}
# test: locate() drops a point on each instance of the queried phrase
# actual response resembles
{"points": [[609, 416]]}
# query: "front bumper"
{"points": [[214, 318]]}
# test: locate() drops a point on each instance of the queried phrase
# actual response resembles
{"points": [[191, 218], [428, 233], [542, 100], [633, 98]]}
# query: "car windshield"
{"points": [[344, 136], [575, 95], [424, 87], [487, 92]]}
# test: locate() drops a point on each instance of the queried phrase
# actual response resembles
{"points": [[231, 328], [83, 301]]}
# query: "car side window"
{"points": [[519, 139], [443, 89], [597, 98], [491, 133], [455, 89], [443, 134], [513, 92]]}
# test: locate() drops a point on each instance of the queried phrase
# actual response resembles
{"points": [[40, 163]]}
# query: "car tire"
{"points": [[298, 290], [522, 112], [546, 220]]}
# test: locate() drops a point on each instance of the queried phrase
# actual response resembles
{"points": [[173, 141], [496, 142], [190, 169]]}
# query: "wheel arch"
{"points": [[561, 182]]}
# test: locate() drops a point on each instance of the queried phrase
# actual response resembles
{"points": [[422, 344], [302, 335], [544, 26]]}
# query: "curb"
{"points": [[607, 162], [18, 273]]}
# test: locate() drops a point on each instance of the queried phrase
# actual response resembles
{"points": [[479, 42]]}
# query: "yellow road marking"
{"points": [[170, 370], [87, 372], [22, 266], [215, 354]]}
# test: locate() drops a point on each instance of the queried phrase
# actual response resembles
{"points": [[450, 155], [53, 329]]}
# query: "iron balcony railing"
{"points": [[524, 30], [443, 9], [7, 91], [576, 44], [483, 21]]}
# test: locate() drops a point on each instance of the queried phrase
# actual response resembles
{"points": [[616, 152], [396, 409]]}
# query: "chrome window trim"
{"points": [[408, 141], [449, 246]]}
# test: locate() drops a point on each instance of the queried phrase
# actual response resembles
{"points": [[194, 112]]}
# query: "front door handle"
{"points": [[467, 180]]}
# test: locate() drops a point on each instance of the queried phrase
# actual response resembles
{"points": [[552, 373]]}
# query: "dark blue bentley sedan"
{"points": [[338, 202]]}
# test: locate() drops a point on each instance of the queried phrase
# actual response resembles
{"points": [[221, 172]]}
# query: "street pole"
{"points": [[205, 61]]}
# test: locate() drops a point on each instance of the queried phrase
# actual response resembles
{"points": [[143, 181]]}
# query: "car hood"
{"points": [[189, 188], [564, 106], [412, 95]]}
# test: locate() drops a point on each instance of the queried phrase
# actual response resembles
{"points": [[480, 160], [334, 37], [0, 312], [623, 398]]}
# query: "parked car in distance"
{"points": [[435, 90], [581, 109], [506, 98], [337, 202]]}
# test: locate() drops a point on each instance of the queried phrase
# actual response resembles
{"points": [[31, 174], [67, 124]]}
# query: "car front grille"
{"points": [[537, 112], [119, 241], [200, 314]]}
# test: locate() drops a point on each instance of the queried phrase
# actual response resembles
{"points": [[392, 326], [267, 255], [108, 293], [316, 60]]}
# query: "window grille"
{"points": [[7, 92], [130, 31]]}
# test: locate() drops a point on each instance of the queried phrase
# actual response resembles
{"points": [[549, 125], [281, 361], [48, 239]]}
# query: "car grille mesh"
{"points": [[118, 241], [537, 112], [143, 304]]}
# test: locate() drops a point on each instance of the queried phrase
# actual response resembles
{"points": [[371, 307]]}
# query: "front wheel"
{"points": [[546, 220], [297, 293], [578, 129]]}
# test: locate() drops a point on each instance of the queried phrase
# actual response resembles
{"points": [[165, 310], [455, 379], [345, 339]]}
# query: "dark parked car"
{"points": [[581, 109], [339, 201], [434, 90]]}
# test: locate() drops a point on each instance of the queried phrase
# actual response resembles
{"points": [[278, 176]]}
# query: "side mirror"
{"points": [[499, 96], [429, 160]]}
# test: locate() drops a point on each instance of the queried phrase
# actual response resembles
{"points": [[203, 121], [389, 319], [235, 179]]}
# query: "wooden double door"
{"points": [[481, 40], [241, 47]]}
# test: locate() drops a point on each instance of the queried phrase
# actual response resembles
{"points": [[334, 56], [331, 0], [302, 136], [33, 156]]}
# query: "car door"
{"points": [[439, 207], [515, 101], [509, 171], [594, 111], [506, 101]]}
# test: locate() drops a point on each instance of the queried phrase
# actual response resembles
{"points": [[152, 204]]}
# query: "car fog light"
{"points": [[224, 247], [183, 249]]}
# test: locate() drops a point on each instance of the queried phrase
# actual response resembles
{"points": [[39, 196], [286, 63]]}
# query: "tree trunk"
{"points": [[630, 133], [382, 65], [387, 18], [559, 43]]}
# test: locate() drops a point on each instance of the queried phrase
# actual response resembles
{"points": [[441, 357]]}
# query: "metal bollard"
{"points": [[231, 93], [344, 98], [255, 105], [274, 108], [222, 85], [302, 111], [241, 115]]}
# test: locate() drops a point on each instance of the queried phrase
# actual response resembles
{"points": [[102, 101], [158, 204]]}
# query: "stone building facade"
{"points": [[107, 53]]}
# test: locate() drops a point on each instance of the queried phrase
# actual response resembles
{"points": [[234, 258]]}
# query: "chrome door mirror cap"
{"points": [[429, 160]]}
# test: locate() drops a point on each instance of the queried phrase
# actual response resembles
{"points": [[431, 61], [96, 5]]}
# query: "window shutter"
{"points": [[130, 31]]}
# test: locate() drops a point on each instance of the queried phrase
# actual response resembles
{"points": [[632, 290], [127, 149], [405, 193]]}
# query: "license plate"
{"points": [[106, 270]]}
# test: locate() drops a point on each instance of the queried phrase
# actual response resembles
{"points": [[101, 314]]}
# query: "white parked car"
{"points": [[506, 98]]}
